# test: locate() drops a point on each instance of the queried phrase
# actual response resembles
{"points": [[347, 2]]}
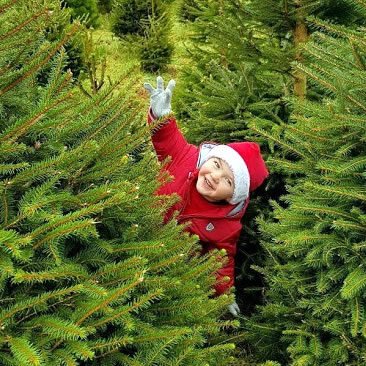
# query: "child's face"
{"points": [[215, 180]]}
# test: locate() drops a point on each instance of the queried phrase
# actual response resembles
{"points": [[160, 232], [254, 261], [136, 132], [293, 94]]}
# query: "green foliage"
{"points": [[84, 9], [128, 16], [105, 6], [281, 17], [156, 49], [74, 47], [89, 273], [314, 309], [188, 10], [95, 66], [241, 65]]}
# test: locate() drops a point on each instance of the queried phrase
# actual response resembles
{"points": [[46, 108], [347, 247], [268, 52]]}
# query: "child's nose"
{"points": [[216, 176]]}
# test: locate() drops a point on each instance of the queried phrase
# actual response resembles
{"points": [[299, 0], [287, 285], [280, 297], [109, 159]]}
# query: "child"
{"points": [[214, 182]]}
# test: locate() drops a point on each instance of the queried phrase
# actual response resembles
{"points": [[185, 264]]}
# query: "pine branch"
{"points": [[59, 328], [278, 141], [354, 284], [338, 30], [22, 127], [112, 296], [23, 25], [24, 351], [50, 229], [35, 302], [348, 193], [51, 53], [139, 303], [65, 271], [7, 6], [110, 345]]}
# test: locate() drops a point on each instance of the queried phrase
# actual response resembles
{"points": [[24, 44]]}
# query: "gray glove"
{"points": [[159, 98], [234, 309]]}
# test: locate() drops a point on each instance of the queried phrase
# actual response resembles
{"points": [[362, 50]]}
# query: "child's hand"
{"points": [[159, 98], [234, 309]]}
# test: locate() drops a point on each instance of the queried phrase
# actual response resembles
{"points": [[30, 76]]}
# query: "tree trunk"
{"points": [[301, 35]]}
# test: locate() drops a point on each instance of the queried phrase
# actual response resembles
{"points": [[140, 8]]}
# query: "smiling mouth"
{"points": [[208, 183]]}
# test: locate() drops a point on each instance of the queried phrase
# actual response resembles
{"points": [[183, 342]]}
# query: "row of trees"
{"points": [[144, 24], [289, 75]]}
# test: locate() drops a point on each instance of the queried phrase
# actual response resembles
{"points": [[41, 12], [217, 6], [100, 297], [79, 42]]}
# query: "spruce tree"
{"points": [[155, 50], [85, 9], [130, 16], [315, 270], [89, 274]]}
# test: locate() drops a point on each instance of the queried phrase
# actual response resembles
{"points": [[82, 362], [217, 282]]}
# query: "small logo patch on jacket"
{"points": [[210, 226]]}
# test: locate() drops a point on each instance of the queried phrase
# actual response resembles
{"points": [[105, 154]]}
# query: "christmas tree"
{"points": [[89, 274], [155, 50], [129, 16], [314, 308]]}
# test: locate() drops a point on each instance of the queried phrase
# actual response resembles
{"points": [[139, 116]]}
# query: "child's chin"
{"points": [[202, 192], [207, 197]]}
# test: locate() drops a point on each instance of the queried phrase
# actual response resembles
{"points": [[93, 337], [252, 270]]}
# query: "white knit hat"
{"points": [[239, 168]]}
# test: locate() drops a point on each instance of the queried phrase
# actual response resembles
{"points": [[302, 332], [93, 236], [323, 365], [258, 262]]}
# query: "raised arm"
{"points": [[166, 136]]}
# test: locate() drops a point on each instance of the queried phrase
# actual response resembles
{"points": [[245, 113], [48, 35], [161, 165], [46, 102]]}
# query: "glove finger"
{"points": [[149, 88], [168, 95], [170, 86], [231, 309], [160, 84]]}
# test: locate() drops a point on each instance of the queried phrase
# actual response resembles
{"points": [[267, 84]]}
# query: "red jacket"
{"points": [[218, 226]]}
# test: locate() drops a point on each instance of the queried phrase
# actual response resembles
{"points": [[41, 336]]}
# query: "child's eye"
{"points": [[229, 182], [217, 164]]}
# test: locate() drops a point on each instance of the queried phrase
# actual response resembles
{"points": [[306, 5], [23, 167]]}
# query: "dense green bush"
{"points": [[84, 9], [128, 16]]}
